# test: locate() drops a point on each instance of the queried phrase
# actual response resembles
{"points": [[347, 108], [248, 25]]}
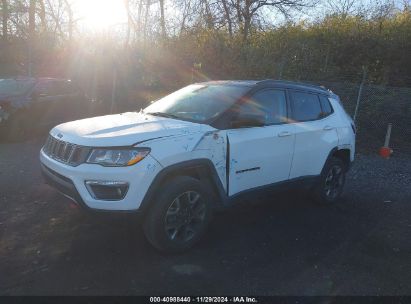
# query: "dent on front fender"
{"points": [[213, 146], [210, 145]]}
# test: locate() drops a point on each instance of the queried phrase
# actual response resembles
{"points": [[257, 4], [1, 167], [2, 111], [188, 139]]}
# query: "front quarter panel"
{"points": [[210, 144]]}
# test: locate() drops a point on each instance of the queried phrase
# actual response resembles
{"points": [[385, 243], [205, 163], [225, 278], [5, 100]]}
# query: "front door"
{"points": [[259, 156]]}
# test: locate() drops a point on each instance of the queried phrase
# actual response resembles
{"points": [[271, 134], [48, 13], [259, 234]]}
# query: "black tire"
{"points": [[177, 219], [330, 185]]}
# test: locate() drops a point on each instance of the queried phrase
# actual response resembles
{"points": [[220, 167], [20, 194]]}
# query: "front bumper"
{"points": [[64, 185], [71, 181]]}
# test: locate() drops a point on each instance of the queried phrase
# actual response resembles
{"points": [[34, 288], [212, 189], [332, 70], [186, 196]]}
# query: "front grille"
{"points": [[65, 152]]}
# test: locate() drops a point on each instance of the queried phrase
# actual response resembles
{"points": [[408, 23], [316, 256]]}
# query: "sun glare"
{"points": [[101, 14]]}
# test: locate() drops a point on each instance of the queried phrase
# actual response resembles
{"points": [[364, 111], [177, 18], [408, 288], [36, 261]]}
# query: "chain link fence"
{"points": [[378, 106]]}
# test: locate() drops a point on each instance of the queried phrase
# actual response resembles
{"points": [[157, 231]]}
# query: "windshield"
{"points": [[197, 102], [14, 86]]}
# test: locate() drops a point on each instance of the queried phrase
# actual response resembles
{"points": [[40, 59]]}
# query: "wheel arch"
{"points": [[343, 154], [201, 169]]}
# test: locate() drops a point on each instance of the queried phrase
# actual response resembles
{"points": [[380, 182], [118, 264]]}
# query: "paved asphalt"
{"points": [[274, 245]]}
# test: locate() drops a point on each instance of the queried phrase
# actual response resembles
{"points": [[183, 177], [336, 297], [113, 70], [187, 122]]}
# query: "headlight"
{"points": [[121, 157]]}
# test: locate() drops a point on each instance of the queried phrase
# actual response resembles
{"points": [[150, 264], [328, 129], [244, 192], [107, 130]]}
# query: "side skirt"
{"points": [[304, 183]]}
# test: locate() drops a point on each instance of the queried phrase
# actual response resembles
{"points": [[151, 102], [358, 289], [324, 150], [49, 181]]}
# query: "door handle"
{"points": [[328, 128], [284, 134]]}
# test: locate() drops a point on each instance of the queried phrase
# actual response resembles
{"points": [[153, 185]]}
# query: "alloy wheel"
{"points": [[334, 182], [185, 217]]}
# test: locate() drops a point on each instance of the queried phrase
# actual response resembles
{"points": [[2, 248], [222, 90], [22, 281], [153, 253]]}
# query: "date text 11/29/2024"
{"points": [[238, 299]]}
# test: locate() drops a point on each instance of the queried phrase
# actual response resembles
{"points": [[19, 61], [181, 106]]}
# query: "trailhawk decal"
{"points": [[248, 170]]}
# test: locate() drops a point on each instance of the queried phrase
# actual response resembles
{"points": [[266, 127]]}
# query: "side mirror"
{"points": [[245, 120]]}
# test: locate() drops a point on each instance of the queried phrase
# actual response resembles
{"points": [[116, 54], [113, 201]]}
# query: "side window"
{"points": [[306, 106], [271, 103], [325, 106]]}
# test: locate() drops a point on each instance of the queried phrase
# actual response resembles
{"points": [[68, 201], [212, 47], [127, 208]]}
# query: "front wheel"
{"points": [[179, 215], [331, 182]]}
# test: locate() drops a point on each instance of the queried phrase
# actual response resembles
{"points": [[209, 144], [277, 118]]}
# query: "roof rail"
{"points": [[268, 81]]}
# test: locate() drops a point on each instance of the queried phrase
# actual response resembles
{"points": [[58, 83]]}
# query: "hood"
{"points": [[123, 129]]}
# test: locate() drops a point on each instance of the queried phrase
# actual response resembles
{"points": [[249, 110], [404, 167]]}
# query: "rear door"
{"points": [[315, 133], [260, 156]]}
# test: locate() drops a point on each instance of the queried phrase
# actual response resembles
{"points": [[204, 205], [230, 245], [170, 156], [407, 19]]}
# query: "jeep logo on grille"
{"points": [[59, 135]]}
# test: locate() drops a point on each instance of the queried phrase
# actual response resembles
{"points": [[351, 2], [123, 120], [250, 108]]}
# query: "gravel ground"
{"points": [[276, 245]]}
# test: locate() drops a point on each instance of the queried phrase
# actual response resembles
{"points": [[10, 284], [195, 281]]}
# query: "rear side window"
{"points": [[325, 106], [306, 106]]}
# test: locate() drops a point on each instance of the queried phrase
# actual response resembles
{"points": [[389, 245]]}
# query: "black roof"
{"points": [[272, 82], [248, 83]]}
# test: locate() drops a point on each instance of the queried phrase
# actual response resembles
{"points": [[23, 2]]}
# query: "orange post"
{"points": [[386, 151]]}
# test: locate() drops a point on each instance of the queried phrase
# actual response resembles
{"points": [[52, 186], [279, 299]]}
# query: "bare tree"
{"points": [[146, 15], [247, 10], [342, 8], [381, 11], [32, 32], [5, 18], [54, 11], [42, 15], [32, 18], [185, 7], [129, 22], [237, 5], [208, 15], [162, 20], [228, 16], [69, 11]]}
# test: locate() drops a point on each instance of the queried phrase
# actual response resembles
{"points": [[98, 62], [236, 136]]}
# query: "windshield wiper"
{"points": [[162, 114]]}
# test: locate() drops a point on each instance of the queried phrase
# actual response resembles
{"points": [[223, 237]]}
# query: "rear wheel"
{"points": [[331, 183], [179, 215]]}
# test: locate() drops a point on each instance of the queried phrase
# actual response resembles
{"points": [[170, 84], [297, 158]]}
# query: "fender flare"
{"points": [[333, 150], [204, 168]]}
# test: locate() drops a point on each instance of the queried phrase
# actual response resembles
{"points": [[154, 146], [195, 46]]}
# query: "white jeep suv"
{"points": [[201, 148]]}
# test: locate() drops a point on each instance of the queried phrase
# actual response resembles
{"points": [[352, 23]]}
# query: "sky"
{"points": [[100, 14], [103, 15]]}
